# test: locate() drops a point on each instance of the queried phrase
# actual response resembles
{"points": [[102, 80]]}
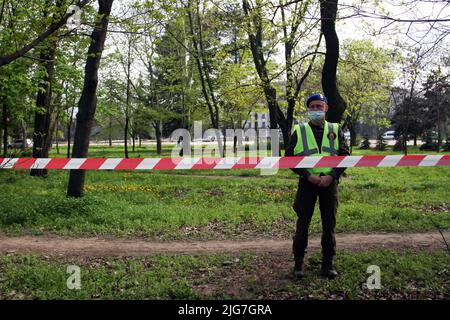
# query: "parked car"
{"points": [[388, 135], [18, 143]]}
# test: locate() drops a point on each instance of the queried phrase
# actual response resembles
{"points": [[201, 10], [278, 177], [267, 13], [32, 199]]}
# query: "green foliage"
{"points": [[16, 92], [365, 78]]}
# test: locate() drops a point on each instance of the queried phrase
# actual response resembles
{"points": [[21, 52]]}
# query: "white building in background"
{"points": [[259, 120]]}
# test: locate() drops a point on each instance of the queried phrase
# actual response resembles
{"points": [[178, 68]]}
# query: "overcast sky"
{"points": [[403, 31], [369, 23]]}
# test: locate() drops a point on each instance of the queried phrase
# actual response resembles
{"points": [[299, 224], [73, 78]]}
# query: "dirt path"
{"points": [[55, 245]]}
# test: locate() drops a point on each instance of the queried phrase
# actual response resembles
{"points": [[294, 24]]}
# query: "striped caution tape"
{"points": [[224, 163]]}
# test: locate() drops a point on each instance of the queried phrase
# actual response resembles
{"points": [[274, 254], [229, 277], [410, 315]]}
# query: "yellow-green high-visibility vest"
{"points": [[307, 144]]}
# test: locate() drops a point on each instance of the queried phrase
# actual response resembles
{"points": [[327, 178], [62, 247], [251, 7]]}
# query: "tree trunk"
{"points": [[255, 35], [1, 137], [328, 10], [291, 81], [405, 142], [352, 136], [203, 69], [42, 120], [127, 107], [5, 128], [88, 101], [69, 132], [439, 137], [110, 132], [2, 10], [224, 153], [56, 135], [23, 133], [256, 131], [53, 131], [42, 135], [125, 136], [158, 137]]}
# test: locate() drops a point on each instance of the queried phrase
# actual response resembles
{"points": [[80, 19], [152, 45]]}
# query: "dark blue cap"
{"points": [[316, 96]]}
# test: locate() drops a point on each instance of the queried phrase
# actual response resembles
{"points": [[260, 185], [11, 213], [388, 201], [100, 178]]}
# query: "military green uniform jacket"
{"points": [[343, 150]]}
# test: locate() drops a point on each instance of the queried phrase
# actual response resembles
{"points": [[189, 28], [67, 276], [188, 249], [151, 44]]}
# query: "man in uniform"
{"points": [[316, 138]]}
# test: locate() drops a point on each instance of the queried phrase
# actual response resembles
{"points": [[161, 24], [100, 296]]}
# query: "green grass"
{"points": [[163, 277], [411, 275], [408, 275], [208, 204], [242, 203]]}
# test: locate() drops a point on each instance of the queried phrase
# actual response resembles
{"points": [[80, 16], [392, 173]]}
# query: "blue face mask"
{"points": [[316, 115]]}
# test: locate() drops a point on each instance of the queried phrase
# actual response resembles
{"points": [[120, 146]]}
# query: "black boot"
{"points": [[328, 270], [299, 271]]}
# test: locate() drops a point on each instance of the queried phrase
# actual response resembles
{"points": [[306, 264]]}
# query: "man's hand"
{"points": [[325, 181], [314, 179]]}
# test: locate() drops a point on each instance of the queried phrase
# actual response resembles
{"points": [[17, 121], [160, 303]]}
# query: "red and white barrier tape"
{"points": [[224, 163]]}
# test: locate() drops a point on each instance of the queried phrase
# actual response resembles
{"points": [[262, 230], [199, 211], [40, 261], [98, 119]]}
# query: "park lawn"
{"points": [[404, 275], [164, 206]]}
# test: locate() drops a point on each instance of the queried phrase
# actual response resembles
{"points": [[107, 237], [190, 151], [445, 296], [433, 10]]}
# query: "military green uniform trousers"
{"points": [[304, 204]]}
